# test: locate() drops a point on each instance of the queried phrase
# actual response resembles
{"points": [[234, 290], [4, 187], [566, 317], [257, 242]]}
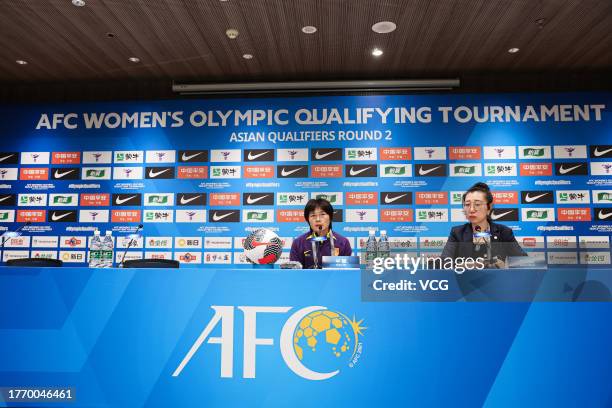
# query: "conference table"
{"points": [[215, 336]]}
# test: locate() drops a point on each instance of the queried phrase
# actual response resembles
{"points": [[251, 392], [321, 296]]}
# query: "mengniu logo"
{"points": [[315, 343]]}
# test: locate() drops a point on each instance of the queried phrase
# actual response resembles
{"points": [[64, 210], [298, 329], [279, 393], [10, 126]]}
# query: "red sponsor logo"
{"points": [[154, 255], [72, 242], [188, 257], [326, 171], [66, 158], [95, 200], [536, 169], [530, 242], [431, 197], [290, 215], [223, 199], [31, 215], [465, 153], [258, 172], [33, 173], [574, 214], [505, 197], [367, 198], [397, 215], [193, 172], [395, 153], [126, 216]]}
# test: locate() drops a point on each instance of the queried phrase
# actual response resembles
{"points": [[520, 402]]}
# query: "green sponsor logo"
{"points": [[422, 215], [149, 216], [332, 198], [4, 216], [398, 171], [563, 197], [465, 169], [540, 215], [23, 200], [457, 198], [216, 172], [95, 173], [533, 152], [604, 196], [491, 170], [283, 199], [62, 200], [352, 154], [120, 157], [158, 199], [258, 216]]}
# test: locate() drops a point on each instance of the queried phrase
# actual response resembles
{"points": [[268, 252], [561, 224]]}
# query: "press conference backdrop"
{"points": [[200, 174]]}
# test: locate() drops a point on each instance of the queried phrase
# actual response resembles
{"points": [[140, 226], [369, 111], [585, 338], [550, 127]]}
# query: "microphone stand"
{"points": [[129, 245]]}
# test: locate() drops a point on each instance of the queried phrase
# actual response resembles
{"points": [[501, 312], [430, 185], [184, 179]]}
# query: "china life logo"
{"points": [[315, 343]]}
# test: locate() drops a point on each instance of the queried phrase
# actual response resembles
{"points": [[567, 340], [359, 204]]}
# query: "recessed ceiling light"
{"points": [[377, 52], [247, 56], [232, 33], [309, 29], [78, 3], [21, 62], [135, 60], [384, 27], [513, 50]]}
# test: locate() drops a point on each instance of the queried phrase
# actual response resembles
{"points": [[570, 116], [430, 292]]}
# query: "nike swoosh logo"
{"points": [[285, 173], [604, 216], [120, 201], [220, 217], [530, 199], [424, 172], [253, 157], [191, 156], [254, 200], [5, 198], [352, 171], [389, 200], [187, 201], [60, 175], [498, 216], [153, 173], [56, 217], [596, 153], [563, 170], [6, 157], [324, 155]]}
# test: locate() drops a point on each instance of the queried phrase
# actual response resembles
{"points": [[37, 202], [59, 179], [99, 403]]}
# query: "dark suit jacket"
{"points": [[503, 243]]}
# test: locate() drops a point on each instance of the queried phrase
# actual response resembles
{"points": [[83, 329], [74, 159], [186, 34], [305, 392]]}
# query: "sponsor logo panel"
{"points": [[225, 172], [530, 242], [500, 152], [188, 242], [430, 153], [571, 169], [8, 174], [188, 257], [600, 151], [94, 216], [360, 154], [62, 216], [594, 241], [158, 255], [72, 256], [458, 215], [32, 173], [45, 242], [432, 215], [124, 241], [500, 169], [225, 156], [466, 170], [8, 200], [505, 197], [44, 254], [9, 158], [601, 168], [326, 171], [160, 156], [595, 258], [128, 156], [538, 214], [325, 154], [217, 242], [190, 199], [432, 242], [232, 215], [562, 258], [192, 172], [63, 200], [158, 216], [224, 199], [258, 171], [17, 242], [96, 173], [570, 152], [131, 200], [361, 198], [292, 171], [573, 197], [258, 216], [70, 241], [534, 152], [574, 214], [158, 199], [97, 157], [395, 198], [537, 197], [361, 215], [504, 214], [258, 198], [289, 215], [431, 197], [31, 215], [560, 242], [193, 156], [395, 153], [296, 198], [465, 153], [65, 173], [397, 215], [127, 173], [19, 254], [602, 196], [7, 216], [95, 199], [191, 216], [158, 242], [603, 214], [159, 173], [392, 170], [536, 169], [126, 216], [35, 157], [217, 258], [258, 155], [430, 170], [292, 155]]}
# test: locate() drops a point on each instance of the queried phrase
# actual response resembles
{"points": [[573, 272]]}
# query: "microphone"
{"points": [[140, 226], [11, 234]]}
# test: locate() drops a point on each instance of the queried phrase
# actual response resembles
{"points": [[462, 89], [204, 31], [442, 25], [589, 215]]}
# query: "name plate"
{"points": [[340, 262]]}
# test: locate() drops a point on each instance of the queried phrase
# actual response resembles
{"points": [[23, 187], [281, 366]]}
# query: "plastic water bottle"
{"points": [[384, 249], [95, 248], [371, 248], [107, 250]]}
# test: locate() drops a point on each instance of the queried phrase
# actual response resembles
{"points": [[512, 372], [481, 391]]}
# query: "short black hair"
{"points": [[483, 188], [321, 203]]}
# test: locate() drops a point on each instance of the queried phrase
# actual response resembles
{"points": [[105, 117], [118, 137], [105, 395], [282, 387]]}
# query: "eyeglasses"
{"points": [[477, 205], [314, 216]]}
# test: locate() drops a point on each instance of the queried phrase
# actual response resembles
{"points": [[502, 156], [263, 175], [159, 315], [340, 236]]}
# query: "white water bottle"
{"points": [[384, 250], [95, 248], [371, 248], [107, 250]]}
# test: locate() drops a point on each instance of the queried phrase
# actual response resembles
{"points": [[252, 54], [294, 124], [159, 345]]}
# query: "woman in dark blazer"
{"points": [[464, 241]]}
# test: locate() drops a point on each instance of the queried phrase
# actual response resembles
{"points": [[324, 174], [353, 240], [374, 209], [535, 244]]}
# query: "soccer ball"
{"points": [[263, 247]]}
